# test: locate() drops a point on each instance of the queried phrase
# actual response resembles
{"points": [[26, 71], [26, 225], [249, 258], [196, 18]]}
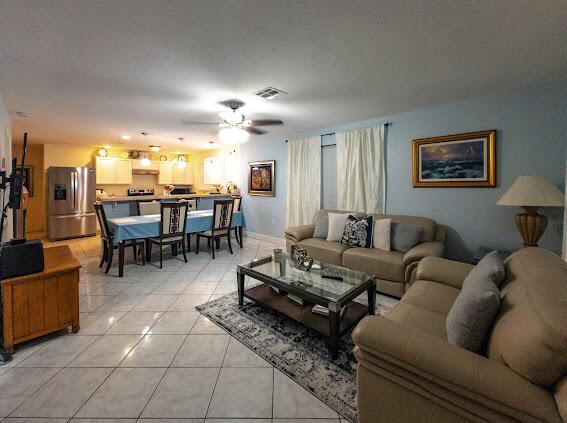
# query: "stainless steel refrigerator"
{"points": [[70, 204]]}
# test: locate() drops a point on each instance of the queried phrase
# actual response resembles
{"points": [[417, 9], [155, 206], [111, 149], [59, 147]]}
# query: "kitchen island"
{"points": [[115, 206]]}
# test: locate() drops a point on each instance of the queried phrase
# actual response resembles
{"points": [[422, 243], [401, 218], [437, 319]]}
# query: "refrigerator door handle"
{"points": [[75, 185]]}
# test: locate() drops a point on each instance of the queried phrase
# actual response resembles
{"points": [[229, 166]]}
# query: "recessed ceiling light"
{"points": [[155, 148], [144, 133], [126, 137]]}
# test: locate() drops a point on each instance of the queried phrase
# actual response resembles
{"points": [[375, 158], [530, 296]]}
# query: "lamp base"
{"points": [[531, 225]]}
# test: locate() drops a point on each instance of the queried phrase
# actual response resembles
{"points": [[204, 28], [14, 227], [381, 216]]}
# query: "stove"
{"points": [[134, 192]]}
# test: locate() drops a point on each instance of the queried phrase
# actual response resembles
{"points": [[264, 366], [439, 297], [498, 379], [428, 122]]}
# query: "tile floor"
{"points": [[144, 354]]}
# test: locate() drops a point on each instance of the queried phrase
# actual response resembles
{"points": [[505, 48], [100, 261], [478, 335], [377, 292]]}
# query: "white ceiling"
{"points": [[88, 71]]}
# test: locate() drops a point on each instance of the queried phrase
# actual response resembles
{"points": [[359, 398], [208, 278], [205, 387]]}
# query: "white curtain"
{"points": [[303, 180], [361, 176], [565, 219]]}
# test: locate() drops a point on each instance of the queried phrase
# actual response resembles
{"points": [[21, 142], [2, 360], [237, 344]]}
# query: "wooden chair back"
{"points": [[237, 203], [222, 215], [173, 219], [103, 223], [148, 207]]}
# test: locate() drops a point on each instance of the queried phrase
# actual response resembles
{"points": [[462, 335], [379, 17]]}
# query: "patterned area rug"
{"points": [[294, 349]]}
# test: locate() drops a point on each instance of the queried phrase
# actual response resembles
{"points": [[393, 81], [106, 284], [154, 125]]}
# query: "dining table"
{"points": [[148, 226]]}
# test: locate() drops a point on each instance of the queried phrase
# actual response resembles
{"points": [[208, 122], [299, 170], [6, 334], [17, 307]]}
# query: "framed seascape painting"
{"points": [[262, 178], [461, 160]]}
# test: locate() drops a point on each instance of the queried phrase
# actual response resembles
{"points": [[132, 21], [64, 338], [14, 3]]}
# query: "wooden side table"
{"points": [[44, 302]]}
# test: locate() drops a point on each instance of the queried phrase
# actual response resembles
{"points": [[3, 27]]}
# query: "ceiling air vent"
{"points": [[269, 93]]}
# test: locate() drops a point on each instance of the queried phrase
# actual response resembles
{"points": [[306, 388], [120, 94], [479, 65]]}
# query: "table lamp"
{"points": [[531, 192]]}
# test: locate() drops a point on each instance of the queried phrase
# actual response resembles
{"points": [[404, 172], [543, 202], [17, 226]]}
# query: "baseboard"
{"points": [[267, 238]]}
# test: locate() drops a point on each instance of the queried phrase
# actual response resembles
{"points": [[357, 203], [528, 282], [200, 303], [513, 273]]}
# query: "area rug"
{"points": [[299, 352]]}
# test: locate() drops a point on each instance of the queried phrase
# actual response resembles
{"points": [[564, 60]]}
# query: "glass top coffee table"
{"points": [[328, 285]]}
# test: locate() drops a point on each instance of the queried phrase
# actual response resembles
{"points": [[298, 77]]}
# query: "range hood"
{"points": [[143, 171]]}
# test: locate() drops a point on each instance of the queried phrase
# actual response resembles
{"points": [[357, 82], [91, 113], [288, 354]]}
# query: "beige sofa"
{"points": [[408, 372], [393, 269]]}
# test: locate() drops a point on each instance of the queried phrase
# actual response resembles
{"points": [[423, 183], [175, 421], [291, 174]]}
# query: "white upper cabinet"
{"points": [[165, 173], [182, 175], [104, 170], [110, 170], [123, 171]]}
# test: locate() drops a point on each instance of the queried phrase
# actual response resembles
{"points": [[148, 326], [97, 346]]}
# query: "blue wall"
{"points": [[531, 139]]}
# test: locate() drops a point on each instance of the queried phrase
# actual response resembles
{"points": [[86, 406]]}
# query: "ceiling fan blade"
{"points": [[266, 122], [191, 122], [254, 131]]}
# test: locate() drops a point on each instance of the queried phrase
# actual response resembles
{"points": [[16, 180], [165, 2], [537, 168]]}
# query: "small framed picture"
{"points": [[460, 160], [262, 178]]}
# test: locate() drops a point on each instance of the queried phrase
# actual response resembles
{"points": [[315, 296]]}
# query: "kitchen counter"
{"points": [[115, 206], [159, 197]]}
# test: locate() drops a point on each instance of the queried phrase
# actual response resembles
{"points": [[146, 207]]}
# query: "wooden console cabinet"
{"points": [[44, 302]]}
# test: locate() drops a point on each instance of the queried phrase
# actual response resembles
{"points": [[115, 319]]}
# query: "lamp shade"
{"points": [[532, 191]]}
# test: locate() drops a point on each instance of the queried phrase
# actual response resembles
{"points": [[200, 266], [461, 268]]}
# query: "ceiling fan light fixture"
{"points": [[155, 148], [233, 135], [231, 116]]}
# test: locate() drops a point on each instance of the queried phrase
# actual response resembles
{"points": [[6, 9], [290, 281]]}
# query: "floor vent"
{"points": [[269, 93]]}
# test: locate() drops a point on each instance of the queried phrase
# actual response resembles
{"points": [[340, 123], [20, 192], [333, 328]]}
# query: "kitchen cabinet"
{"points": [[111, 170], [183, 175], [104, 170], [165, 173]]}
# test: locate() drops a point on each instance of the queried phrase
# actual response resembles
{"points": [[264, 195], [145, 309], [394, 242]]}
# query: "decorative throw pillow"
{"points": [[404, 236], [381, 234], [321, 227], [492, 266], [472, 315], [337, 223], [358, 232]]}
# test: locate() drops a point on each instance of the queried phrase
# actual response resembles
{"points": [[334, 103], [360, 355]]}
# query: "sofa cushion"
{"points": [[337, 224], [472, 315], [432, 296], [322, 250], [530, 332], [404, 236], [428, 226], [382, 264], [321, 226], [381, 234], [358, 232], [491, 265], [418, 318]]}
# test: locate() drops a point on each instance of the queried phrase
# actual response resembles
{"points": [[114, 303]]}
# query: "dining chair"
{"points": [[222, 220], [191, 206], [238, 229], [146, 207], [173, 221], [109, 244]]}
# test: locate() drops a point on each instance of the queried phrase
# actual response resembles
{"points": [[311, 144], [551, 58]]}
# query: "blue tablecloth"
{"points": [[134, 227]]}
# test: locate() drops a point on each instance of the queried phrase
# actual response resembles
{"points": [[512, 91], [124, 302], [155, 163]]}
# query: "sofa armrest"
{"points": [[433, 248], [445, 271], [298, 233], [430, 366]]}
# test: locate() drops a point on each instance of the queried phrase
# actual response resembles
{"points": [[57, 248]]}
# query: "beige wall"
{"points": [[35, 215], [66, 155]]}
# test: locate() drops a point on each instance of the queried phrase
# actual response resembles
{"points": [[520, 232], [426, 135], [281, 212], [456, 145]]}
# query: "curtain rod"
{"points": [[333, 133]]}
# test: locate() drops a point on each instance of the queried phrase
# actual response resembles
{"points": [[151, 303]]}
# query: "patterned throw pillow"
{"points": [[358, 232]]}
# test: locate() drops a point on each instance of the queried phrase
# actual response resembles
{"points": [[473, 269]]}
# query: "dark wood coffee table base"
{"points": [[333, 326]]}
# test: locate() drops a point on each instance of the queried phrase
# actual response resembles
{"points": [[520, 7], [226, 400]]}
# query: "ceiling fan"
{"points": [[235, 126]]}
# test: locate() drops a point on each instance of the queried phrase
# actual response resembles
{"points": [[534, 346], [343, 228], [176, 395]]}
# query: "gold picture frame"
{"points": [[262, 178], [460, 160]]}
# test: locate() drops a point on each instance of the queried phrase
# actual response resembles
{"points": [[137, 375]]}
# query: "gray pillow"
{"points": [[404, 236], [492, 266], [472, 315], [321, 227]]}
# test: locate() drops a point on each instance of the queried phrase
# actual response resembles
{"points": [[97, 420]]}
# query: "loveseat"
{"points": [[393, 269], [408, 372]]}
